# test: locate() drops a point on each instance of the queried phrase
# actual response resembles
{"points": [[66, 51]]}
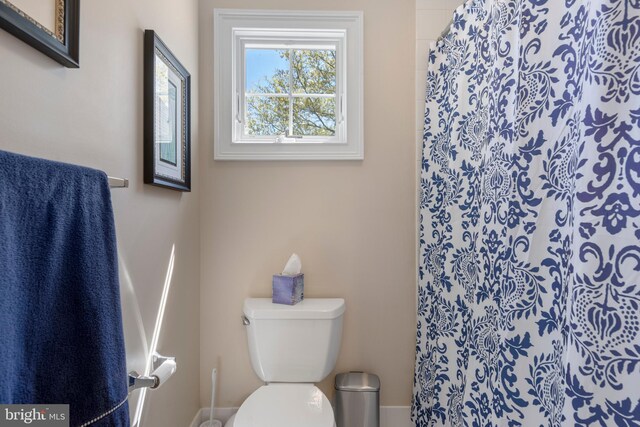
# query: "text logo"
{"points": [[34, 415]]}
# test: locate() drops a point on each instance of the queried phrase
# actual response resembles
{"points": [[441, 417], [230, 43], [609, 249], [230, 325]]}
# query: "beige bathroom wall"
{"points": [[352, 222], [93, 116]]}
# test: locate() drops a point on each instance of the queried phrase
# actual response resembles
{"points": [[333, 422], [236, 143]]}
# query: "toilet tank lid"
{"points": [[309, 308]]}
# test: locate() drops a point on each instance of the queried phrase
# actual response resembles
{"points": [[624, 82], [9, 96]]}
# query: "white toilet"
{"points": [[291, 348]]}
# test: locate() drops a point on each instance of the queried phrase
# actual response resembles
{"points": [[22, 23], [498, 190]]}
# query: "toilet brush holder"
{"points": [[212, 422]]}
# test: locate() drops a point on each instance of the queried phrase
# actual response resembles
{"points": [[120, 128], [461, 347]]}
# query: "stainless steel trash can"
{"points": [[357, 400]]}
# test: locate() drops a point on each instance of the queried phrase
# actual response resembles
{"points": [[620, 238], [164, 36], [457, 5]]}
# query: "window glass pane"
{"points": [[267, 115], [314, 71], [314, 116], [267, 70]]}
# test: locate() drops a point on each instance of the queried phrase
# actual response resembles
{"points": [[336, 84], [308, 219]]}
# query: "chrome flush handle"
{"points": [[245, 321]]}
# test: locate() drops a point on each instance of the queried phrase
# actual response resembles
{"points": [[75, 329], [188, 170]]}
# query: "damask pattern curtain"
{"points": [[529, 275]]}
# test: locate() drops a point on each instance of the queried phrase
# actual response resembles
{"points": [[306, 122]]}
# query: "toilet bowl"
{"points": [[291, 348], [285, 405]]}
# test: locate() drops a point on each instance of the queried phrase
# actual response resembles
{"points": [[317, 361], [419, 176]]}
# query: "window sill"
{"points": [[251, 150]]}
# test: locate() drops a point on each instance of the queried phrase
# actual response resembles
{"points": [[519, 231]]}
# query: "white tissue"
{"points": [[164, 371], [293, 266]]}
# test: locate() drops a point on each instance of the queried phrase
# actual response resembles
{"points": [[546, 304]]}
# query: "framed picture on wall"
{"points": [[51, 26], [167, 117]]}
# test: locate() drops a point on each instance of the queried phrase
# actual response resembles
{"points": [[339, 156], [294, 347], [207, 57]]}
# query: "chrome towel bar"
{"points": [[118, 182]]}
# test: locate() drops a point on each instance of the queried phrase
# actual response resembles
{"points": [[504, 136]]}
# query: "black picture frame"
{"points": [[180, 163], [63, 47]]}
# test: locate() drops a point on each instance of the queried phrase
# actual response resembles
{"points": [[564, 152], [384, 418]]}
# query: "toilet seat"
{"points": [[285, 405]]}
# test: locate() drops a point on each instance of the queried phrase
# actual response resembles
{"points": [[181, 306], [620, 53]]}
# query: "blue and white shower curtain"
{"points": [[529, 275]]}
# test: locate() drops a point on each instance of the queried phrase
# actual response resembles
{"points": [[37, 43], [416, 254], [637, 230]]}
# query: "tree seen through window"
{"points": [[294, 95]]}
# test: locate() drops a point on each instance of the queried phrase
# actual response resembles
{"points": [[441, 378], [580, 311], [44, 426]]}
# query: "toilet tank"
{"points": [[298, 343]]}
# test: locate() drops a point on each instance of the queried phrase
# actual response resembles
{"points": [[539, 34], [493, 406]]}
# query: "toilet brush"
{"points": [[212, 422]]}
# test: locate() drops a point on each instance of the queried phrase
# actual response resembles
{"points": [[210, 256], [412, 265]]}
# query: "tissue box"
{"points": [[288, 289]]}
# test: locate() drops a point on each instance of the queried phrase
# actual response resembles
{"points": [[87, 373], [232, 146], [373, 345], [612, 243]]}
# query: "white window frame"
{"points": [[236, 29]]}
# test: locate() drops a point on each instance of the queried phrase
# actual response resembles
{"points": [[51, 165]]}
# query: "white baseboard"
{"points": [[390, 416], [395, 416]]}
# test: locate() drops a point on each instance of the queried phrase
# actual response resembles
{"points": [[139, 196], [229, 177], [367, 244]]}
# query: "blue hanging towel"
{"points": [[61, 339]]}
